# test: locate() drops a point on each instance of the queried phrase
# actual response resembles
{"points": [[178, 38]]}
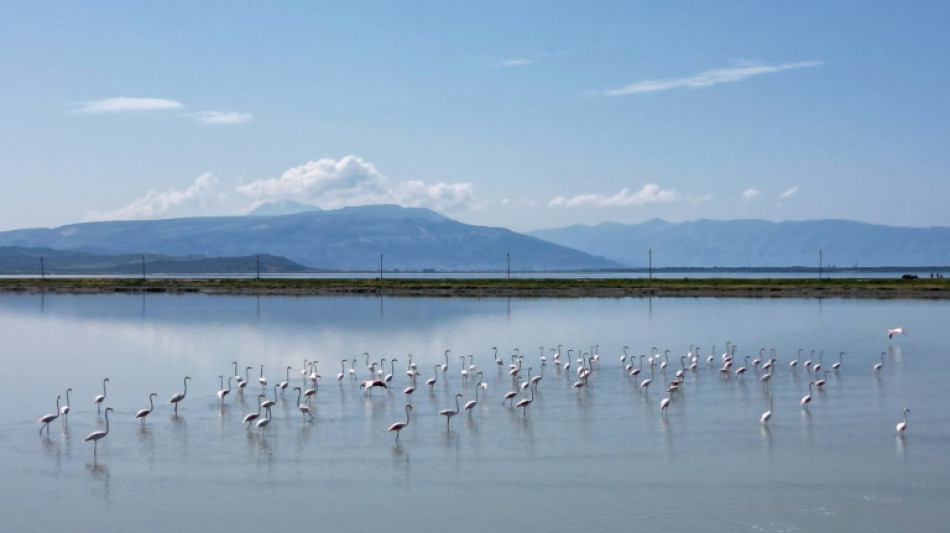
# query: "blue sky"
{"points": [[526, 115]]}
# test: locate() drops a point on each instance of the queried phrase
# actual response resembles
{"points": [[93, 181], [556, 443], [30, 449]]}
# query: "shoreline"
{"points": [[872, 288]]}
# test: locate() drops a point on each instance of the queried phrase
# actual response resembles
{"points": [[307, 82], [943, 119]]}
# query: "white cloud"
{"points": [[750, 194], [165, 204], [352, 181], [509, 63], [789, 193], [709, 78], [125, 105], [221, 117], [649, 194]]}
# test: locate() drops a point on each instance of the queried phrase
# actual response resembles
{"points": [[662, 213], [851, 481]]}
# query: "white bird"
{"points": [[903, 425], [96, 436], [339, 377], [305, 409], [262, 380], [877, 367], [100, 398], [283, 384], [176, 399], [524, 403], [807, 398], [64, 410], [250, 417], [665, 403], [145, 412], [398, 426], [837, 364], [46, 419], [895, 331], [470, 405], [448, 413], [262, 423], [224, 392], [768, 414]]}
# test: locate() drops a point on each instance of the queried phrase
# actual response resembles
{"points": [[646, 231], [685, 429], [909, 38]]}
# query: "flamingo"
{"points": [[397, 427], [64, 410], [262, 380], [431, 381], [339, 377], [877, 367], [623, 358], [445, 367], [470, 405], [371, 384], [250, 417], [895, 331], [498, 360], [224, 392], [100, 398], [820, 382], [304, 408], [237, 376], [665, 404], [283, 384], [448, 413], [510, 395], [837, 365], [46, 419], [903, 425], [807, 398], [646, 383], [261, 424], [742, 369], [821, 359], [143, 413], [176, 399], [96, 436], [243, 382], [392, 370], [408, 392], [352, 370], [794, 362], [767, 377], [524, 403], [267, 404], [768, 414]]}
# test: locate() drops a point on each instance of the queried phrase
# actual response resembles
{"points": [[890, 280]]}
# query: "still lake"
{"points": [[598, 458]]}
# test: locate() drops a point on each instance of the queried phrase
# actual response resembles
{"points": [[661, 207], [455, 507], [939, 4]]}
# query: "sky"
{"points": [[526, 115]]}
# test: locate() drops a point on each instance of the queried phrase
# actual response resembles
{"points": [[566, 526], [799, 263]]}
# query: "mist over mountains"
{"points": [[299, 237]]}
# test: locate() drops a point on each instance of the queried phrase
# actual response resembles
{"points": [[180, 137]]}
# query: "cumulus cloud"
{"points": [[352, 181], [651, 193], [126, 105], [708, 78], [750, 194], [165, 204], [789, 193], [221, 117]]}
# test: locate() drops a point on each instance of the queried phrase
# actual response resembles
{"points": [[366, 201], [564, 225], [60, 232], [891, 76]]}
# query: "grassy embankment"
{"points": [[535, 287]]}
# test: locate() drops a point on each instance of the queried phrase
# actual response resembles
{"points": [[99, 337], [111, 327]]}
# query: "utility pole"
{"points": [[143, 267], [508, 255], [650, 262], [42, 268], [258, 266], [819, 265], [380, 266]]}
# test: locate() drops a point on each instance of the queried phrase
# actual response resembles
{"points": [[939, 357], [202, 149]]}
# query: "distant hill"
{"points": [[351, 238], [37, 261], [757, 243]]}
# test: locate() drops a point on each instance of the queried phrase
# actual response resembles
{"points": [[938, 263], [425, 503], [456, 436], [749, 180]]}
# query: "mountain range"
{"points": [[757, 243], [347, 239], [294, 237]]}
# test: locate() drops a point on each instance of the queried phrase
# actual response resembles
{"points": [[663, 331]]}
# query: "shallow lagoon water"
{"points": [[600, 458]]}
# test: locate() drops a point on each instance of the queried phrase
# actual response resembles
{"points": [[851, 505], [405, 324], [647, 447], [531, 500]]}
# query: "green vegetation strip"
{"points": [[533, 287]]}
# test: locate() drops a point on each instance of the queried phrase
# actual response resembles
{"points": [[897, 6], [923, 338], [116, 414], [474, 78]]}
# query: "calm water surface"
{"points": [[599, 458]]}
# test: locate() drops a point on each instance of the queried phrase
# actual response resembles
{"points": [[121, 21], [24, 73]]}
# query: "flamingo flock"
{"points": [[523, 390]]}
